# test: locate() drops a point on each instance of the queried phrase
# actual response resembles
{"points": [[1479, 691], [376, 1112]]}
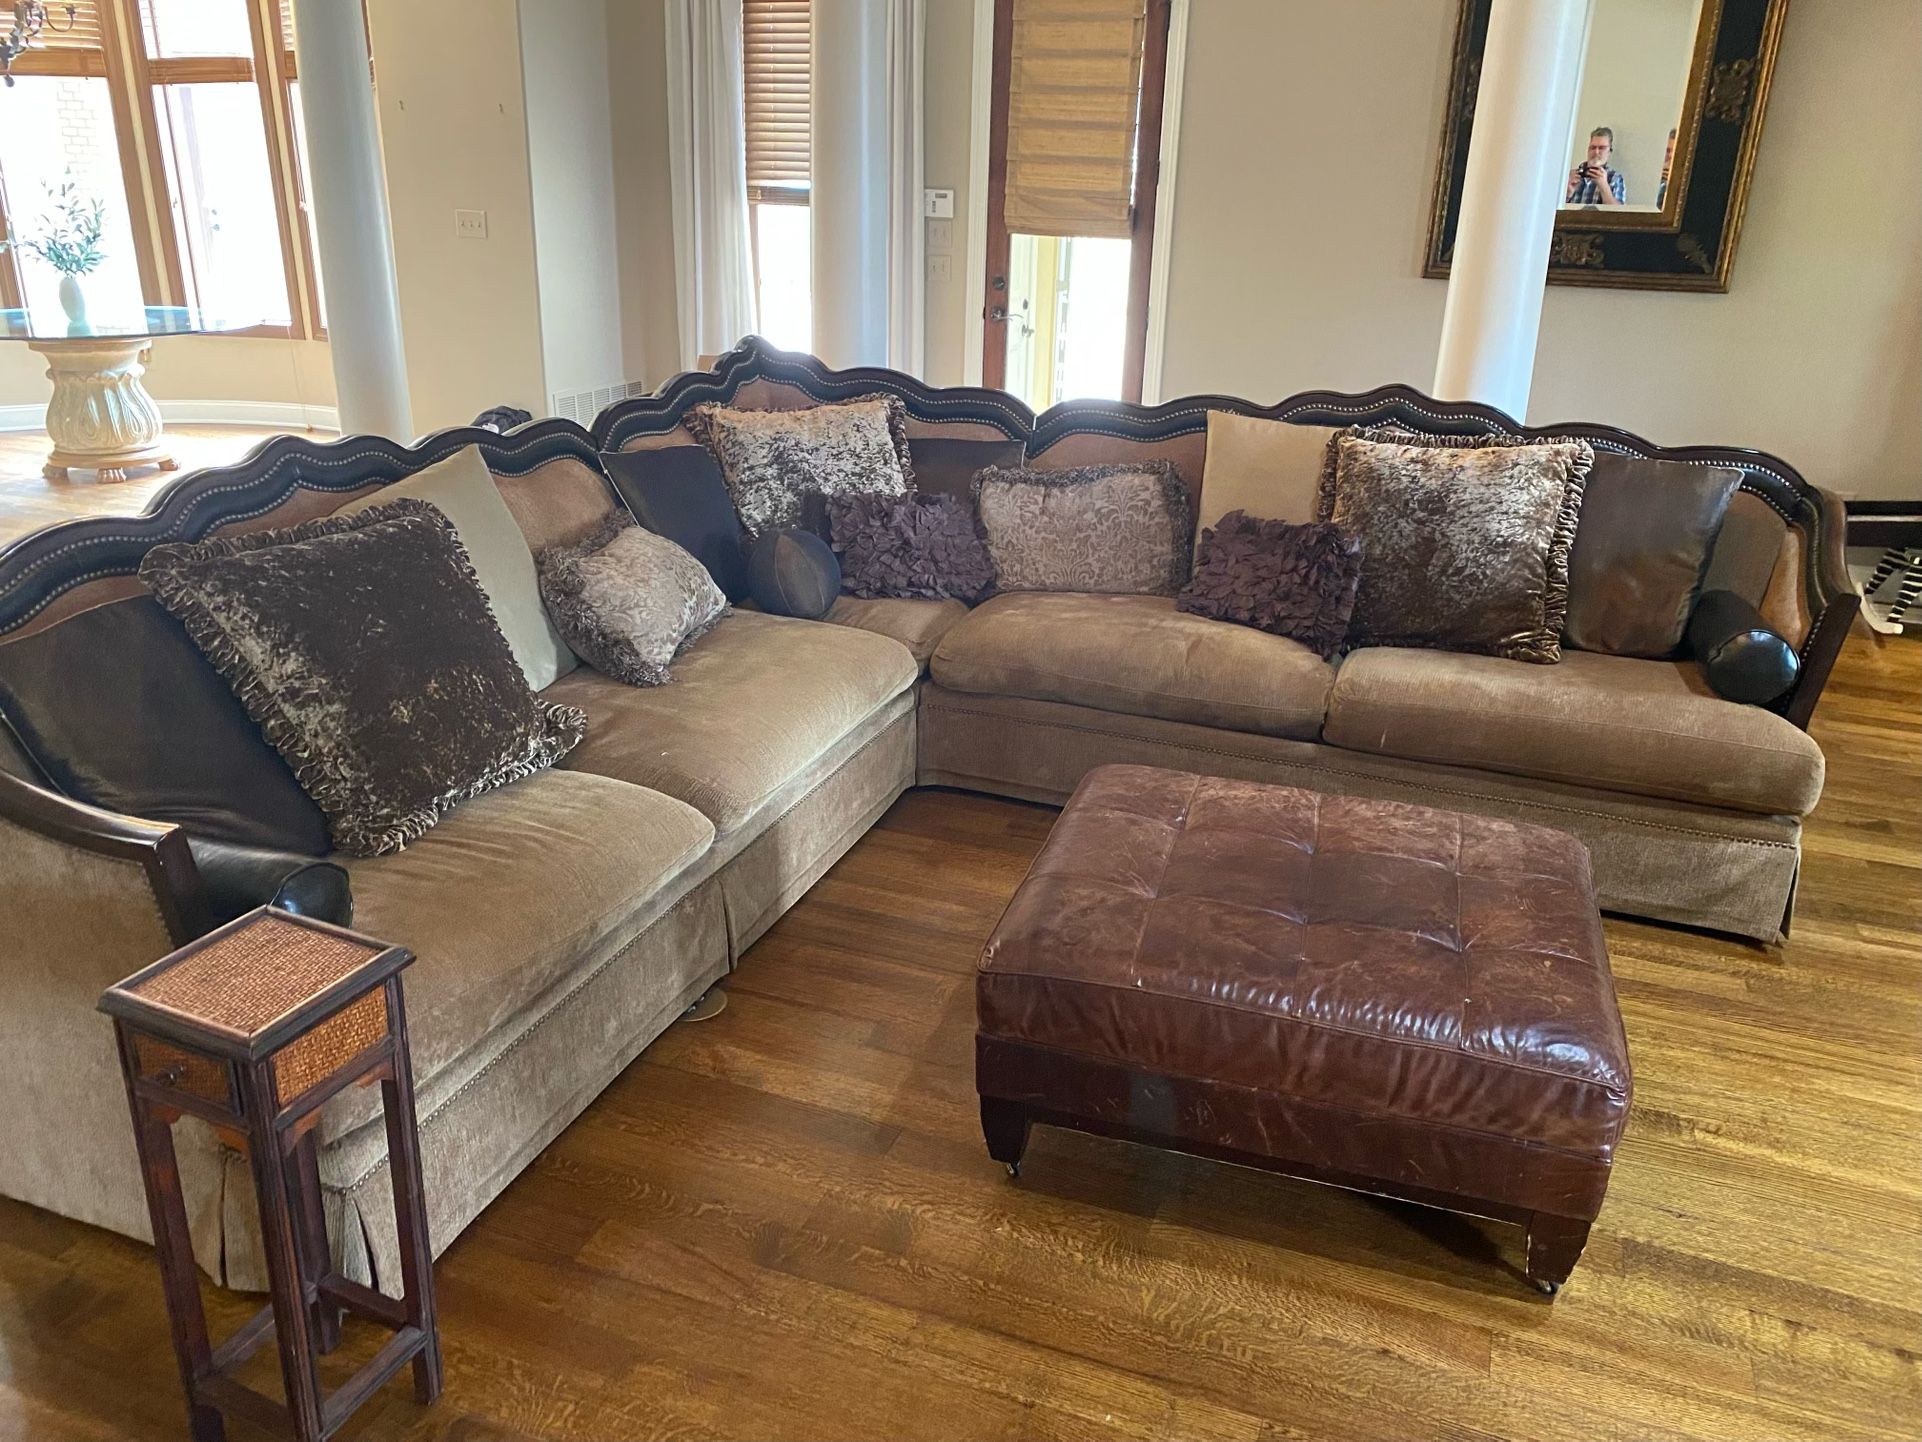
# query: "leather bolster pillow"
{"points": [[1741, 657], [239, 878]]}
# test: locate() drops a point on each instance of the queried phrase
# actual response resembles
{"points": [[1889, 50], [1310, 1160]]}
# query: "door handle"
{"points": [[997, 313]]}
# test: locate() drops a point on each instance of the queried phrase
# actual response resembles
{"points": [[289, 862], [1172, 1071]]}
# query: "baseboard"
{"points": [[285, 415]]}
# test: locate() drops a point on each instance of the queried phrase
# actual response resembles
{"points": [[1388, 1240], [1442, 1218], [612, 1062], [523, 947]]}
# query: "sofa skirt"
{"points": [[1664, 860]]}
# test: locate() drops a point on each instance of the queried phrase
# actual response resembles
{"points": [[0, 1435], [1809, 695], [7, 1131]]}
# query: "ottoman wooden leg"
{"points": [[1005, 1124], [1554, 1246]]}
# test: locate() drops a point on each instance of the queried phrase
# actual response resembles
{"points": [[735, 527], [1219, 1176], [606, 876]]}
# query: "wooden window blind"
{"points": [[1074, 86], [777, 63], [79, 51]]}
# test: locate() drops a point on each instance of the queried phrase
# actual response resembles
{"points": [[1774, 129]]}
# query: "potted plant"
{"points": [[70, 242]]}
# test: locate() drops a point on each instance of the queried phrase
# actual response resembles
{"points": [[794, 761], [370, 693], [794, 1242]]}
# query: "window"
{"points": [[1073, 173], [183, 115], [62, 121], [777, 55]]}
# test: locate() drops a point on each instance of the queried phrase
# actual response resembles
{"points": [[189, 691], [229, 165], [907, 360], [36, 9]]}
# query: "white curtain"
{"points": [[713, 249], [907, 235]]}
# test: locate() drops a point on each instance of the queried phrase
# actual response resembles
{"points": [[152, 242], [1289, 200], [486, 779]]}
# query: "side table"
{"points": [[253, 1028]]}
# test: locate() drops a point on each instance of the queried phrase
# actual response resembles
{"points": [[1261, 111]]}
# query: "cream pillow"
{"points": [[1270, 469], [462, 489]]}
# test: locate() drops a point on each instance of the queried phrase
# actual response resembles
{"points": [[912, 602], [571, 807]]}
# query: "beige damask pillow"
{"points": [[1464, 539], [1116, 529]]}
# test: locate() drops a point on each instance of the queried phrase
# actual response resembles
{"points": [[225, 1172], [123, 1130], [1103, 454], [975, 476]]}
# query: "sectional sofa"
{"points": [[562, 922]]}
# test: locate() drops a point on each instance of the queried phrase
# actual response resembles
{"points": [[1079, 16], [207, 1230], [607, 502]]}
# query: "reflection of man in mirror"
{"points": [[1668, 164], [1594, 182]]}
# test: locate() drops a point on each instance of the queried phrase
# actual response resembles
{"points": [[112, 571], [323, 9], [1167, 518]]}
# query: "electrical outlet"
{"points": [[940, 237], [941, 269], [470, 224]]}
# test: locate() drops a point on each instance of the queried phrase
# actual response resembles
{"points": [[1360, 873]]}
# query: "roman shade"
{"points": [[776, 60], [1074, 86]]}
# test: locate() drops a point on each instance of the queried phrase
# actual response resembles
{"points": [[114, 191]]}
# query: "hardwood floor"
{"points": [[29, 501], [782, 1222]]}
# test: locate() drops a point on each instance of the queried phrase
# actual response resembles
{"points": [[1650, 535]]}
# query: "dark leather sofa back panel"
{"points": [[68, 567], [1786, 539]]}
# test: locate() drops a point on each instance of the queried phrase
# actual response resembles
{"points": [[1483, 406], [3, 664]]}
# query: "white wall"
{"points": [[570, 145], [454, 132], [643, 192]]}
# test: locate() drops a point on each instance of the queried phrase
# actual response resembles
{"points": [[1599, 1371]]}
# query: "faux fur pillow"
{"points": [[780, 465], [1466, 538], [1289, 580], [364, 649], [628, 600], [1118, 529], [909, 546]]}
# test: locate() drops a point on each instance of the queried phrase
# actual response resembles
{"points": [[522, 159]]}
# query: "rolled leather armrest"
{"points": [[1741, 657], [239, 878]]}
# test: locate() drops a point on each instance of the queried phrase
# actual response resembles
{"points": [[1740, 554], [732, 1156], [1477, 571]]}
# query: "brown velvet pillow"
{"points": [[926, 546], [1116, 529], [364, 649], [628, 600], [1289, 580], [1641, 551], [1466, 538], [779, 465]]}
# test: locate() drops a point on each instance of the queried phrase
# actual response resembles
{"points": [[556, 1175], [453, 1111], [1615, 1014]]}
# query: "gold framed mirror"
{"points": [[1667, 118]]}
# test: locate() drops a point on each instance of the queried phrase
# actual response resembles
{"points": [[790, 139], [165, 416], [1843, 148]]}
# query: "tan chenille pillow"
{"points": [[1270, 469]]}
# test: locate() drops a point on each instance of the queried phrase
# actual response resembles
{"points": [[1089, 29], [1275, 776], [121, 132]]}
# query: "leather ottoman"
{"points": [[1390, 998]]}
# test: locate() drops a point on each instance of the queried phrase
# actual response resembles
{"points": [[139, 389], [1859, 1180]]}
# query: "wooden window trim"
{"points": [[11, 297], [148, 73]]}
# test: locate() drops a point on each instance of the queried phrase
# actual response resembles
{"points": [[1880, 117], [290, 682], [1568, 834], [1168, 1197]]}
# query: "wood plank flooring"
{"points": [[28, 501], [782, 1222]]}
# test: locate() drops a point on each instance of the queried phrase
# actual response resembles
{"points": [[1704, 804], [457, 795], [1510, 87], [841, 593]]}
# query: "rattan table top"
{"points": [[247, 979]]}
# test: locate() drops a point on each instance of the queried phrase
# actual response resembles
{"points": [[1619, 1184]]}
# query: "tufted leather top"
{"points": [[1383, 960]]}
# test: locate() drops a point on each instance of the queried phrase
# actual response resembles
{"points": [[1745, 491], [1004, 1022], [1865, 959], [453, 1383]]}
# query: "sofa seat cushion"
{"points": [[507, 903], [1652, 728], [750, 705], [1139, 656], [917, 624]]}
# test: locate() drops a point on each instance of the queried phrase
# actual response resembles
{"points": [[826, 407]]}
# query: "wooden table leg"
{"points": [[317, 1258], [153, 1136], [410, 1200], [278, 1238]]}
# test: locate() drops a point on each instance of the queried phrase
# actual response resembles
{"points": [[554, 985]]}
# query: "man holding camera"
{"points": [[1593, 182]]}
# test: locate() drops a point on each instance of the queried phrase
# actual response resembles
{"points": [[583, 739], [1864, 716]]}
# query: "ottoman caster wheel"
{"points": [[1547, 1289], [1014, 1171]]}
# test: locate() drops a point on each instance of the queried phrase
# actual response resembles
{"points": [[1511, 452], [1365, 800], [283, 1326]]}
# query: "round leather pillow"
{"points": [[793, 573], [1742, 659]]}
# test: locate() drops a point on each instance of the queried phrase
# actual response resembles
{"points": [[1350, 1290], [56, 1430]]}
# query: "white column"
{"points": [[349, 195], [1517, 168], [849, 197]]}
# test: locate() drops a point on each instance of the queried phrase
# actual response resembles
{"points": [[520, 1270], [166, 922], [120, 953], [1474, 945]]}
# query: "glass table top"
{"points": [[115, 323]]}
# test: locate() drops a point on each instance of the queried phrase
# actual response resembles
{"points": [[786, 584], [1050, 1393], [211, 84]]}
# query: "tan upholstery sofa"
{"points": [[562, 922]]}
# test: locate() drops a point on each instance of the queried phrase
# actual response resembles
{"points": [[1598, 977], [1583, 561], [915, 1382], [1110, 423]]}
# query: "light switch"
{"points": [[940, 237], [470, 224], [941, 269], [937, 204]]}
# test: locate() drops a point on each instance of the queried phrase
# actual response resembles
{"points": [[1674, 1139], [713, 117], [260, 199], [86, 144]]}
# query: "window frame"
{"points": [[133, 78], [782, 192]]}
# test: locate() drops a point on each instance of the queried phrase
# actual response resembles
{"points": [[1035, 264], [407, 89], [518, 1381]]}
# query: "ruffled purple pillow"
{"points": [[1294, 581], [912, 546]]}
